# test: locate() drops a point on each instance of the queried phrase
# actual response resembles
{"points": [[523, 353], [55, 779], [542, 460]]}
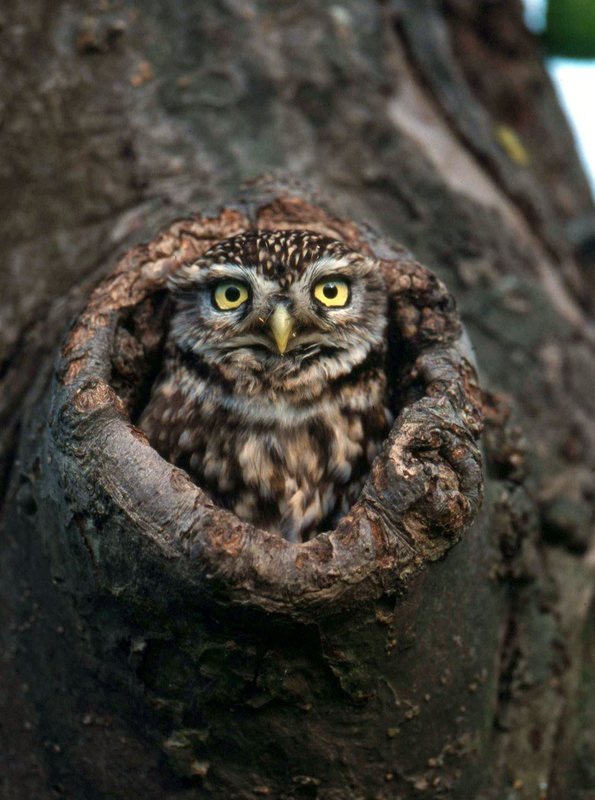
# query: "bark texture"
{"points": [[309, 667], [472, 677]]}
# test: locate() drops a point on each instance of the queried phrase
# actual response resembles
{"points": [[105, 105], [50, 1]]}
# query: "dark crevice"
{"points": [[488, 161]]}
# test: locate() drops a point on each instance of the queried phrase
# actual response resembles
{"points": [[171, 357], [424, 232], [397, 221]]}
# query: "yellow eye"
{"points": [[332, 293], [228, 295]]}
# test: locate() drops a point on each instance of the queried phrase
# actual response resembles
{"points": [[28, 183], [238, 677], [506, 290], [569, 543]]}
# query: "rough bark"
{"points": [[90, 482], [122, 119]]}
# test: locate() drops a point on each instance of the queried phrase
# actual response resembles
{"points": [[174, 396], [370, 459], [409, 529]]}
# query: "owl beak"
{"points": [[281, 324]]}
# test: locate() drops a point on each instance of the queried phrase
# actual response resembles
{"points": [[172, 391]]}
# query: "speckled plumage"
{"points": [[284, 440]]}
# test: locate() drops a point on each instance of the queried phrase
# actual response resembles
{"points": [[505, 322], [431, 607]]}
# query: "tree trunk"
{"points": [[151, 645]]}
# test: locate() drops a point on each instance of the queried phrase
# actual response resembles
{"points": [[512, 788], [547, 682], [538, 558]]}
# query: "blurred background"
{"points": [[567, 31]]}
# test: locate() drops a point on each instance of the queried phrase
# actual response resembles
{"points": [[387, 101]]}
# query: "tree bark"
{"points": [[156, 653]]}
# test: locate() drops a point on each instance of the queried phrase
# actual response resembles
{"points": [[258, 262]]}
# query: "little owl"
{"points": [[273, 395]]}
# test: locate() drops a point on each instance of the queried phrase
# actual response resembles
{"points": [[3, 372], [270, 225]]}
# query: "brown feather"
{"points": [[283, 441]]}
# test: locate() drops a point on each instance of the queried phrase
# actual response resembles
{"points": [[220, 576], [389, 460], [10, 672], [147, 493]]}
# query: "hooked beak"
{"points": [[281, 324]]}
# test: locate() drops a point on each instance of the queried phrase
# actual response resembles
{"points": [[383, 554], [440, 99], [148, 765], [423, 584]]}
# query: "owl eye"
{"points": [[332, 293], [228, 295]]}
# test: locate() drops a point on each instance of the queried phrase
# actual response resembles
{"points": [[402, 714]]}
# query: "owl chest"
{"points": [[284, 477], [277, 458]]}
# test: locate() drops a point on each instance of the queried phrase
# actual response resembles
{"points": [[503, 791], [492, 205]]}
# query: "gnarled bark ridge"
{"points": [[131, 532]]}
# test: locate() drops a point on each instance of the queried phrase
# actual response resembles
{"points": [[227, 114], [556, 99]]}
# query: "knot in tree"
{"points": [[219, 655]]}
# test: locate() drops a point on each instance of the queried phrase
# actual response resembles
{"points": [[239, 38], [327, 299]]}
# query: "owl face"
{"points": [[266, 306]]}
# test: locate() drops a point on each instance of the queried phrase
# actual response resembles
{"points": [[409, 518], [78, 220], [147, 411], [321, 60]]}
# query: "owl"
{"points": [[273, 394]]}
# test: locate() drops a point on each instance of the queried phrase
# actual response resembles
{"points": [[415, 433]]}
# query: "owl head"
{"points": [[265, 307]]}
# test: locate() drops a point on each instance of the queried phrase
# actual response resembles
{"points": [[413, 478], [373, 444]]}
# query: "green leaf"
{"points": [[570, 28]]}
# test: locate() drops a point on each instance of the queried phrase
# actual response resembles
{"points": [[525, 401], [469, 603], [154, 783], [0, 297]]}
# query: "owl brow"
{"points": [[230, 271], [327, 267]]}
